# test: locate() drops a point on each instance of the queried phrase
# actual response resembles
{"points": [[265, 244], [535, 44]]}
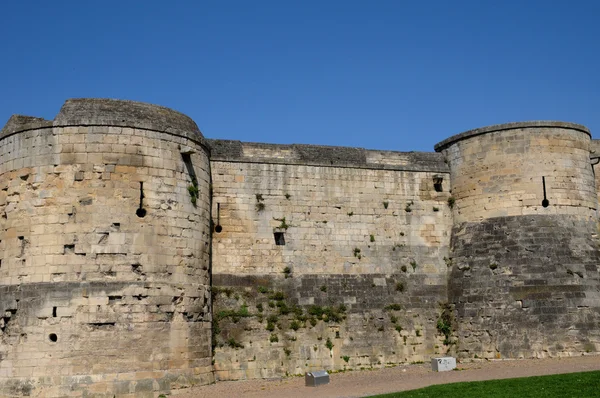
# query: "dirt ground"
{"points": [[406, 377]]}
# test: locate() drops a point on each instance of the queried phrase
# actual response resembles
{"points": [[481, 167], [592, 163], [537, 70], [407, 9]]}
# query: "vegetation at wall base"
{"points": [[580, 385]]}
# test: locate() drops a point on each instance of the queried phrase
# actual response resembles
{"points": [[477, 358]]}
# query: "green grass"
{"points": [[576, 385]]}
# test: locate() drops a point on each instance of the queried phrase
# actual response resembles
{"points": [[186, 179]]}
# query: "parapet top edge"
{"points": [[123, 113], [508, 126], [18, 123], [329, 156], [111, 112], [238, 143]]}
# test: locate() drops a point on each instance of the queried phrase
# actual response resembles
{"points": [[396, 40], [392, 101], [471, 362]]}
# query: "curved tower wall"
{"points": [[524, 280], [99, 296]]}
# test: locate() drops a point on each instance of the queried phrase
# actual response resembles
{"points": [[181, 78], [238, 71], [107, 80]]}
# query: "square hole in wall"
{"points": [[279, 238]]}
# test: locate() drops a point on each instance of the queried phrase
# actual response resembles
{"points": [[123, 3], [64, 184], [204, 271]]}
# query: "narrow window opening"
{"points": [[545, 201], [141, 212], [437, 183], [187, 161], [218, 228], [279, 238], [53, 312], [193, 188]]}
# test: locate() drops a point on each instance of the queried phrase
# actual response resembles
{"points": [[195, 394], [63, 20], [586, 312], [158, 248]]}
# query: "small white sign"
{"points": [[443, 364]]}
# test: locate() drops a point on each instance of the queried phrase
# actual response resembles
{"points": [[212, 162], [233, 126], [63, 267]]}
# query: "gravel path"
{"points": [[400, 378]]}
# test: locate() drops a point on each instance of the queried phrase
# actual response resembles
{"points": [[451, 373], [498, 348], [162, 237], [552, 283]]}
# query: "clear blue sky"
{"points": [[394, 75]]}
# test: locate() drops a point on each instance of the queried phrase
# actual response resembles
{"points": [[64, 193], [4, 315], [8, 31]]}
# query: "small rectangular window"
{"points": [[279, 238], [437, 183]]}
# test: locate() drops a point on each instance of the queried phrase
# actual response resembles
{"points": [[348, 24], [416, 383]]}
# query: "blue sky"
{"points": [[392, 75]]}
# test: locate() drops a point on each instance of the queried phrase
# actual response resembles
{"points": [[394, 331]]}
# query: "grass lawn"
{"points": [[576, 385]]}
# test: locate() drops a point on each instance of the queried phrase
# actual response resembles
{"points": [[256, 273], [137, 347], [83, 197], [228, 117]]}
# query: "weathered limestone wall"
{"points": [[117, 227], [365, 234], [595, 160], [100, 299], [499, 173], [524, 280]]}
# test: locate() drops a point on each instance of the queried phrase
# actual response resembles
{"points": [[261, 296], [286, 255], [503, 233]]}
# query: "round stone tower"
{"points": [[104, 235], [524, 280]]}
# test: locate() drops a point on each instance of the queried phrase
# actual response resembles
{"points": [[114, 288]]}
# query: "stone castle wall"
{"points": [[497, 171], [364, 230], [255, 260], [99, 298], [525, 276]]}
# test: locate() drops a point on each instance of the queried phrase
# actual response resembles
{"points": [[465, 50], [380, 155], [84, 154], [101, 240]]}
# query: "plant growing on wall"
{"points": [[444, 323], [328, 314], [328, 343], [232, 314], [193, 191], [408, 208], [451, 201], [260, 206], [271, 321], [234, 344], [262, 289], [283, 225]]}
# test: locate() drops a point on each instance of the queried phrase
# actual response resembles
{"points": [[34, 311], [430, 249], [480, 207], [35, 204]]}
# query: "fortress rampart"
{"points": [[524, 240], [138, 257], [104, 279]]}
